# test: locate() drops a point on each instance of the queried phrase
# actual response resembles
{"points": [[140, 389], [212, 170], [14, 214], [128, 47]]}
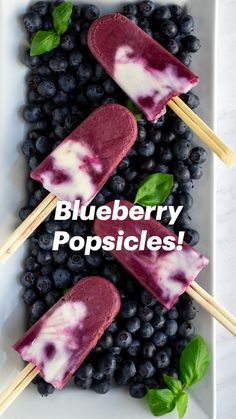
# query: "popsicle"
{"points": [[165, 273], [79, 166], [151, 76], [59, 341]]}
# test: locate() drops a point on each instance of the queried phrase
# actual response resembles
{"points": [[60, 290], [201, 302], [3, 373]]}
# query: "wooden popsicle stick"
{"points": [[204, 132], [213, 302], [17, 386], [214, 311], [28, 226]]}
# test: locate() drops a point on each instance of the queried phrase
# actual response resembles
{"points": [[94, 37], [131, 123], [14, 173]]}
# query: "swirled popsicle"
{"points": [[81, 164], [149, 74], [166, 274], [60, 340]]}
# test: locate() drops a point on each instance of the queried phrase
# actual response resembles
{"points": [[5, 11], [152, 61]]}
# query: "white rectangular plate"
{"points": [[72, 402]]}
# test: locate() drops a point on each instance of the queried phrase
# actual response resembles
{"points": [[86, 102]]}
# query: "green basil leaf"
{"points": [[160, 401], [182, 404], [133, 108], [44, 41], [194, 361], [174, 384], [61, 17], [154, 189]]}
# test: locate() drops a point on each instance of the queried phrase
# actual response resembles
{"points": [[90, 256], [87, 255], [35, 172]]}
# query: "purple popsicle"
{"points": [[148, 73], [81, 164], [166, 274], [59, 342]]}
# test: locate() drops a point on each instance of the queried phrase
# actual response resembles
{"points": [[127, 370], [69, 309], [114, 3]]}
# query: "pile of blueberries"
{"points": [[63, 87]]}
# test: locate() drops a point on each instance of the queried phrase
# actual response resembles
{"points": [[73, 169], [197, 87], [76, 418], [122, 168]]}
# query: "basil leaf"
{"points": [[61, 17], [133, 108], [154, 189], [174, 384], [182, 404], [194, 361], [160, 401], [44, 41]]}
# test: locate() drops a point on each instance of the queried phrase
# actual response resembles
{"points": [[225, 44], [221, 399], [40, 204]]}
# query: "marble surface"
{"points": [[225, 284]]}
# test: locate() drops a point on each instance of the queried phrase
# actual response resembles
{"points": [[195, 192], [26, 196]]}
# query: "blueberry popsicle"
{"points": [[82, 163], [59, 342], [79, 166], [148, 73], [166, 274]]}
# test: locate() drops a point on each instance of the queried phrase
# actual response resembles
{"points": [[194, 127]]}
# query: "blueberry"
{"points": [[186, 24], [172, 46], [60, 98], [75, 58], [188, 135], [159, 338], [116, 184], [186, 185], [132, 18], [155, 135], [28, 279], [181, 149], [53, 226], [164, 154], [161, 168], [33, 163], [160, 309], [191, 237], [148, 299], [106, 340], [158, 321], [188, 310], [146, 369], [168, 136], [58, 64], [143, 22], [95, 92], [162, 13], [46, 89], [198, 155], [29, 296], [83, 384], [176, 11], [180, 344], [83, 38], [148, 350], [171, 327], [168, 28], [45, 388], [146, 330], [124, 164], [76, 12], [61, 133], [192, 43], [62, 278], [196, 171], [28, 148], [161, 359], [44, 284], [75, 263], [145, 313], [184, 220], [185, 199], [130, 9], [94, 260], [146, 8], [67, 83], [85, 371], [185, 58], [123, 339], [112, 272], [107, 364], [113, 328], [186, 329], [31, 62], [134, 348], [41, 7], [47, 270], [120, 378], [44, 257], [32, 21], [172, 314], [84, 72], [133, 324], [190, 99], [146, 149], [52, 297], [147, 164], [137, 390], [128, 309], [68, 42], [90, 12], [128, 368], [37, 309], [32, 113], [141, 134], [45, 241], [180, 171]]}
